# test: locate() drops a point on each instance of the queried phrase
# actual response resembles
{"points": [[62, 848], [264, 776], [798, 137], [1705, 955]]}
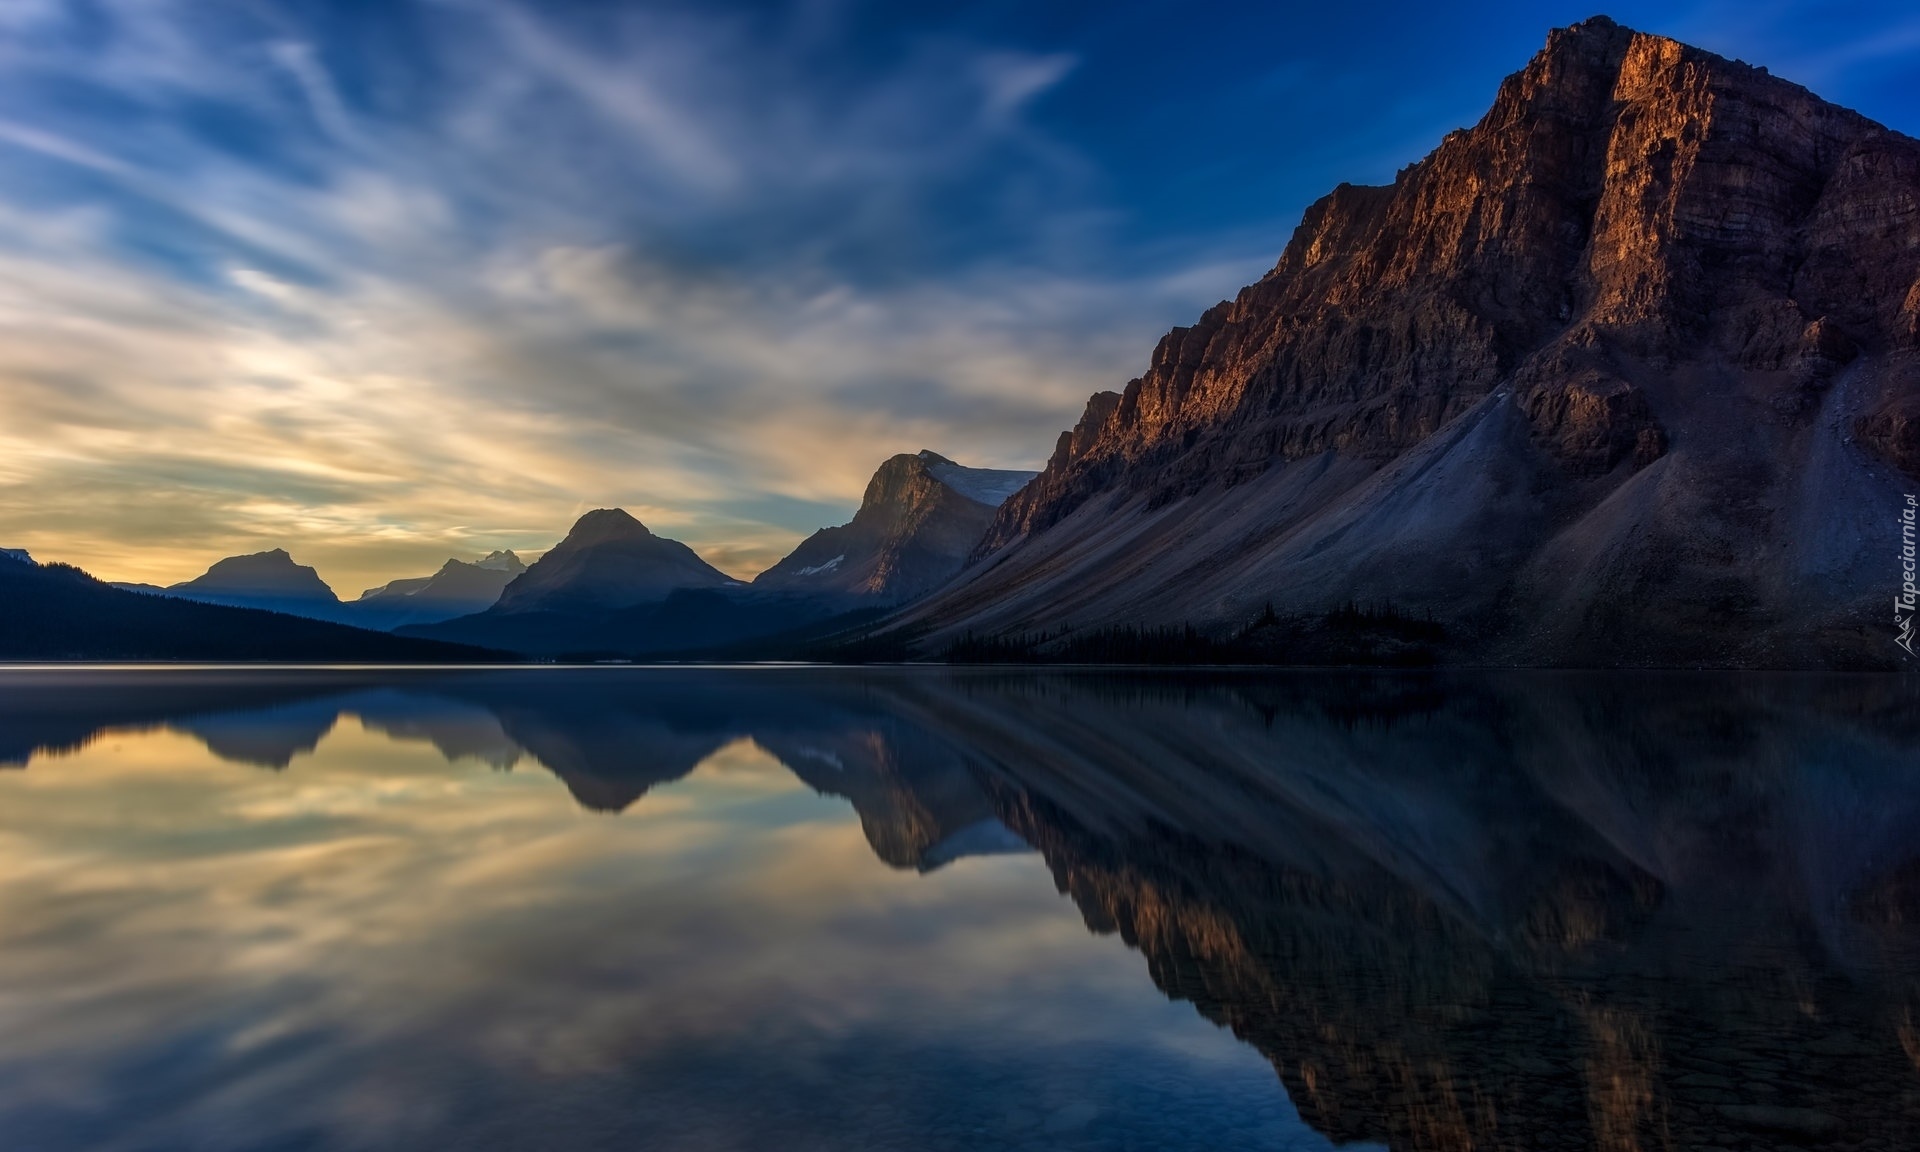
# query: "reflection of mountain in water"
{"points": [[1564, 912], [267, 737], [42, 714], [609, 741], [458, 731], [1581, 913], [919, 805]]}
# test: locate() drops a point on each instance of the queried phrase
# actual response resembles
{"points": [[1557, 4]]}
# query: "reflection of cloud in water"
{"points": [[462, 959], [1463, 911]]}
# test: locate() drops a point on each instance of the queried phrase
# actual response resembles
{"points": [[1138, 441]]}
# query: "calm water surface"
{"points": [[927, 909]]}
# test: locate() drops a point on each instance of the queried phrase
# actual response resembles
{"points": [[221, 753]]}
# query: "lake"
{"points": [[894, 908]]}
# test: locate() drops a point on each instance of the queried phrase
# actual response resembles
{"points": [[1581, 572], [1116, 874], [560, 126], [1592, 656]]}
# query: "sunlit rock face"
{"points": [[1625, 373], [921, 517]]}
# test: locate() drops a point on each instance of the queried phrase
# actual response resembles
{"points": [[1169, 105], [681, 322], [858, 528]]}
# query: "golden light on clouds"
{"points": [[376, 922], [383, 339]]}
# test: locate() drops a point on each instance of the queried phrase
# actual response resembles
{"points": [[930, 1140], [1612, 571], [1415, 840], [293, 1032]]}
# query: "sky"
{"points": [[387, 281]]}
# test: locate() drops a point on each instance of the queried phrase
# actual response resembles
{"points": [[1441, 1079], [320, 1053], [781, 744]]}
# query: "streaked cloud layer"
{"points": [[387, 282]]}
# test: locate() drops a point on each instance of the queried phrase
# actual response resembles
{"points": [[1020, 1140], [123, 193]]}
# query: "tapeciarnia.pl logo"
{"points": [[1904, 603]]}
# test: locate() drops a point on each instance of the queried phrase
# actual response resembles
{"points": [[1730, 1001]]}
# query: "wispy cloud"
{"points": [[384, 283], [635, 261]]}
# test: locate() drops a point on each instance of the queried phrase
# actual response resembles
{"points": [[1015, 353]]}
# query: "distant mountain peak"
{"points": [[606, 524], [920, 516], [262, 560], [497, 561], [57, 612], [609, 560], [501, 561], [19, 554], [271, 573]]}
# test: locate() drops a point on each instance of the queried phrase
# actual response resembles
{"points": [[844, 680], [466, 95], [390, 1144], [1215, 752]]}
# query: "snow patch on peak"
{"points": [[817, 569], [19, 554], [987, 837], [989, 486], [501, 562]]}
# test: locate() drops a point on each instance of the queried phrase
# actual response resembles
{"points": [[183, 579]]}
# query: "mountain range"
{"points": [[614, 588], [599, 591], [1626, 374], [55, 612], [459, 588]]}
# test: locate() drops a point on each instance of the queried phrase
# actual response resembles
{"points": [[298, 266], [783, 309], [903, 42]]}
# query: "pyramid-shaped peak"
{"points": [[927, 455], [607, 524]]}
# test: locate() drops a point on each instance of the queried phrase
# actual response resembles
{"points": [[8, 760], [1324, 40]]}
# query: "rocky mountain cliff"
{"points": [[921, 517], [1627, 373]]}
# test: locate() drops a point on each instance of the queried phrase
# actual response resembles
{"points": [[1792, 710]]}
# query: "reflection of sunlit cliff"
{"points": [[1349, 988], [1454, 913], [1562, 914], [918, 805]]}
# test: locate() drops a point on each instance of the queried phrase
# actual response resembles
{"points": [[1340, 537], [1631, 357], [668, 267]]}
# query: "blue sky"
{"points": [[384, 281]]}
